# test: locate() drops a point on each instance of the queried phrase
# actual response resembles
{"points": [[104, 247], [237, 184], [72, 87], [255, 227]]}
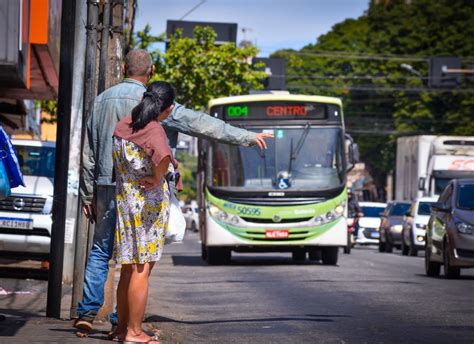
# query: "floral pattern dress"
{"points": [[142, 216]]}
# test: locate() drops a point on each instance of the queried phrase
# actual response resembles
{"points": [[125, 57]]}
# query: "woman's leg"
{"points": [[137, 299], [122, 301]]}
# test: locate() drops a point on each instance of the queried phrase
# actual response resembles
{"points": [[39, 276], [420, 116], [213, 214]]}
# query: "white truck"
{"points": [[426, 163]]}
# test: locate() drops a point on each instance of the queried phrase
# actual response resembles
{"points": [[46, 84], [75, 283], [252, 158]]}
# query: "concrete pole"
{"points": [[75, 146], [114, 76], [82, 229]]}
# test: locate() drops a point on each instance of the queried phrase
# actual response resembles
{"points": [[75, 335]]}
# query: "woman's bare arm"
{"points": [[150, 182]]}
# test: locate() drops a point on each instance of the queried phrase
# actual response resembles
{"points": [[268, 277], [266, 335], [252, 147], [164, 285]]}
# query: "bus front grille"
{"points": [[260, 220]]}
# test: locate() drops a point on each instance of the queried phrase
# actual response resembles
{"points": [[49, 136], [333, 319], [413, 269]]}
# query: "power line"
{"points": [[192, 10], [385, 89]]}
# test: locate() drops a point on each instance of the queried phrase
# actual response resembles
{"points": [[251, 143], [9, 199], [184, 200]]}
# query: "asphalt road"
{"points": [[370, 297]]}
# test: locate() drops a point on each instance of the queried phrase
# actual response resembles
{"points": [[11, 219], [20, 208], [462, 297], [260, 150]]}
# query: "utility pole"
{"points": [[82, 229], [68, 16]]}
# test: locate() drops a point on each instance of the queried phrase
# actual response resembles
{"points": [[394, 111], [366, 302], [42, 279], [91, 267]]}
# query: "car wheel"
{"points": [[405, 247], [450, 271], [299, 255], [413, 252], [193, 227], [218, 255], [432, 268], [329, 255], [388, 245], [381, 245]]}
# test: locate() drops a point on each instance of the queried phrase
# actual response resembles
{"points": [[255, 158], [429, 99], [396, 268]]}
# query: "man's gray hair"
{"points": [[138, 63]]}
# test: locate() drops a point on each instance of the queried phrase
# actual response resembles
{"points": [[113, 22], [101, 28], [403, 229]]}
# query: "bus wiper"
{"points": [[261, 154], [299, 145]]}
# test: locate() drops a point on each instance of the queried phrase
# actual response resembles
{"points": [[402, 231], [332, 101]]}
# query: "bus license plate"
{"points": [[276, 234], [10, 222]]}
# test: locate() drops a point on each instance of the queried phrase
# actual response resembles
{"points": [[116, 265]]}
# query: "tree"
{"points": [[200, 69], [359, 60]]}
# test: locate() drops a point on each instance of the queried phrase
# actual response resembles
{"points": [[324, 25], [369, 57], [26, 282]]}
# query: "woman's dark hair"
{"points": [[158, 97]]}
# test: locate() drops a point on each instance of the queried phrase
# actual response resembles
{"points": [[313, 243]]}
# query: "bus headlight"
{"points": [[222, 216], [213, 210], [339, 210], [330, 216]]}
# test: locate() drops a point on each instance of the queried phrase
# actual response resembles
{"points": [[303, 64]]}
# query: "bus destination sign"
{"points": [[275, 110]]}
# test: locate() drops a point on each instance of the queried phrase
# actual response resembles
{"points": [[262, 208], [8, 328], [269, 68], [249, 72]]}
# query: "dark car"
{"points": [[450, 232], [391, 225]]}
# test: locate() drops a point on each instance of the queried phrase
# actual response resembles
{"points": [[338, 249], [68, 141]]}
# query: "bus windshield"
{"points": [[310, 158]]}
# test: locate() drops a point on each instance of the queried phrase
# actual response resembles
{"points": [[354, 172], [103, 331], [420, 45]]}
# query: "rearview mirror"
{"points": [[421, 183], [352, 152], [440, 206]]}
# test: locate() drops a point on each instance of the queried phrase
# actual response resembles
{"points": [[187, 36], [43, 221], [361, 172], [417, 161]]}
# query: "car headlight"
{"points": [[396, 228], [464, 228], [420, 226]]}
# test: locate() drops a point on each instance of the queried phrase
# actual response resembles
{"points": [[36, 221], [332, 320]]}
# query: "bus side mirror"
{"points": [[421, 183], [352, 152]]}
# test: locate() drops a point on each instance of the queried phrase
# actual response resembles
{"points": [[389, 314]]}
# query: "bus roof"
{"points": [[270, 97]]}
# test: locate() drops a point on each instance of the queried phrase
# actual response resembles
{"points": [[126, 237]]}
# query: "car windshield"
{"points": [[36, 161], [297, 158], [440, 184], [399, 209], [466, 196], [372, 211], [424, 208]]}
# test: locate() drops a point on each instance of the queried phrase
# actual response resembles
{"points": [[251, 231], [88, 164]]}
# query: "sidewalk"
{"points": [[23, 292]]}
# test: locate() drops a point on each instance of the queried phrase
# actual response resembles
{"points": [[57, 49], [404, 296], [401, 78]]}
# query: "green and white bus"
{"points": [[290, 197]]}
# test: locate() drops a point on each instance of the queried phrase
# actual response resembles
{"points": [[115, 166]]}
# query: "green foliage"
{"points": [[201, 70], [51, 108], [360, 61]]}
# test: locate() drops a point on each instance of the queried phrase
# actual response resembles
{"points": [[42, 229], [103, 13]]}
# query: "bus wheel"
{"points": [[299, 255], [218, 255], [203, 252], [329, 255], [347, 248], [314, 254]]}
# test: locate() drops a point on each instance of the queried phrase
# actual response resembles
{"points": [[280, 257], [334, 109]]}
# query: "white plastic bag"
{"points": [[176, 222]]}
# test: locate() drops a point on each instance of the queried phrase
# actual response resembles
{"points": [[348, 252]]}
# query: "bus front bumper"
{"points": [[330, 234]]}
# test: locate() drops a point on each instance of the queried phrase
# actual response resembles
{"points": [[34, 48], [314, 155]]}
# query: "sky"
{"points": [[269, 24]]}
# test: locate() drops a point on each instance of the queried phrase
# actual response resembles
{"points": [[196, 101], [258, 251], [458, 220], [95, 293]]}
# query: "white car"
{"points": [[25, 216], [369, 223], [414, 225], [191, 215]]}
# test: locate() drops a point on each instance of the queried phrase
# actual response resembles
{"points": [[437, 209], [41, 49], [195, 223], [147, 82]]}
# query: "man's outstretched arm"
{"points": [[200, 124]]}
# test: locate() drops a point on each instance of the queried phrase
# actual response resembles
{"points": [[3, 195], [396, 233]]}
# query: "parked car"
{"points": [[369, 222], [25, 216], [414, 225], [191, 215], [450, 232], [391, 225]]}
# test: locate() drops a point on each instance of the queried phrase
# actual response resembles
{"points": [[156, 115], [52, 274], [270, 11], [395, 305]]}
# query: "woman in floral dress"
{"points": [[142, 160]]}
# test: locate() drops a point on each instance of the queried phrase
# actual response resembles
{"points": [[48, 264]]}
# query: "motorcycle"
{"points": [[351, 226]]}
